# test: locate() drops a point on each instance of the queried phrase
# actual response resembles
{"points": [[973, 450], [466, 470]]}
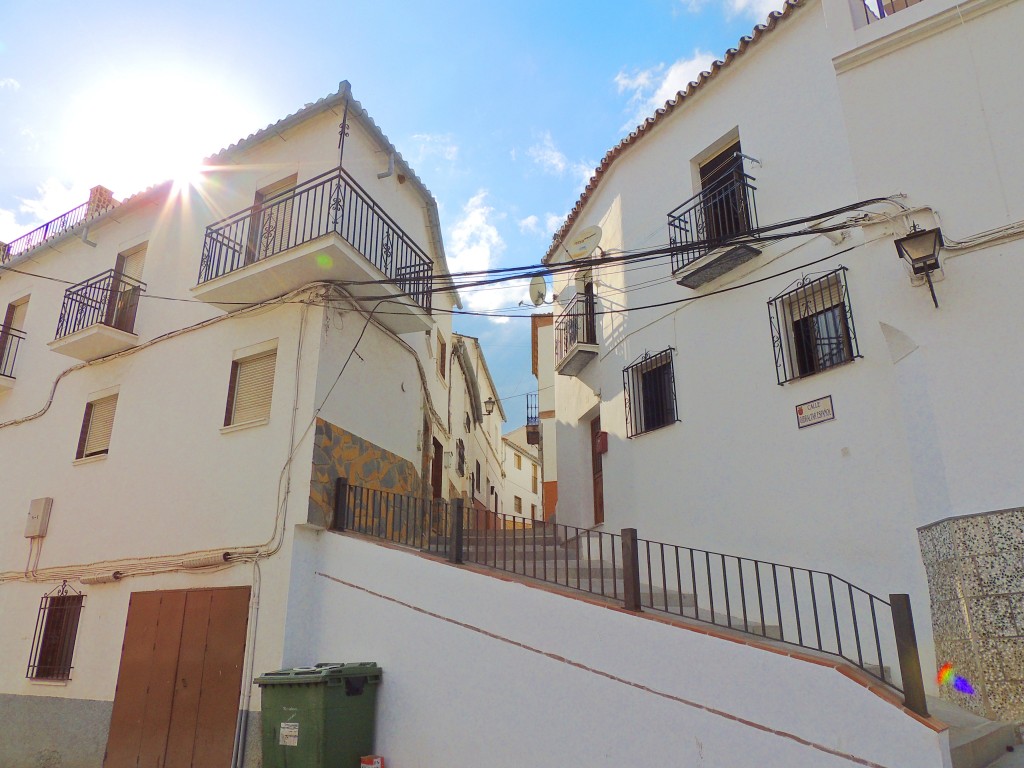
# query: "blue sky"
{"points": [[503, 110]]}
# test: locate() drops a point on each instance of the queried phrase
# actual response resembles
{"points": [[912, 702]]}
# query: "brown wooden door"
{"points": [[178, 684], [595, 428]]}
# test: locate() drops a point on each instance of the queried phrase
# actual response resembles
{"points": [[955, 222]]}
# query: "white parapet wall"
{"points": [[481, 670]]}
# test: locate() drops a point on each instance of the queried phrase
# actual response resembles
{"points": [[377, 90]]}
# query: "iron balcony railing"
{"points": [[10, 341], [109, 298], [803, 607], [724, 210], [576, 325], [876, 10], [331, 202], [63, 223], [532, 409]]}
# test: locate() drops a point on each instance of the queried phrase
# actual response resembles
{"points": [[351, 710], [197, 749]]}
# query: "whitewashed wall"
{"points": [[535, 693]]}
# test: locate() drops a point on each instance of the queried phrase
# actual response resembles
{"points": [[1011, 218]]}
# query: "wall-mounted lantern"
{"points": [[489, 405], [920, 249]]}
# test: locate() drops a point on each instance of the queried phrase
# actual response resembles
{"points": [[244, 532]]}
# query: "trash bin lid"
{"points": [[320, 674]]}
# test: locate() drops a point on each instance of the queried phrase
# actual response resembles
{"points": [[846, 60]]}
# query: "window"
{"points": [[467, 423], [533, 479], [517, 503], [271, 220], [649, 385], [94, 439], [518, 461], [250, 389], [442, 351], [812, 326], [11, 334], [533, 511], [477, 476], [53, 644], [460, 455]]}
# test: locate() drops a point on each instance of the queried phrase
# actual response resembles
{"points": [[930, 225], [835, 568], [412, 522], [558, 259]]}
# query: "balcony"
{"points": [[703, 226], [325, 229], [10, 341], [876, 10], [100, 200], [98, 316], [532, 419], [576, 336]]}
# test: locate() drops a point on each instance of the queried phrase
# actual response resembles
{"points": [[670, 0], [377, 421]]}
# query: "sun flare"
{"points": [[134, 130]]}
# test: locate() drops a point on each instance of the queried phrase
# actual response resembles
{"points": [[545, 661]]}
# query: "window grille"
{"points": [[460, 453], [812, 326], [53, 643], [649, 385]]}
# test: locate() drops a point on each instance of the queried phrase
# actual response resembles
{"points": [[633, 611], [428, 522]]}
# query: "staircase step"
{"points": [[974, 741]]}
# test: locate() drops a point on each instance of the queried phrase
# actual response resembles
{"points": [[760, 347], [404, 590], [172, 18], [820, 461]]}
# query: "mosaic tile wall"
{"points": [[337, 453], [975, 567]]}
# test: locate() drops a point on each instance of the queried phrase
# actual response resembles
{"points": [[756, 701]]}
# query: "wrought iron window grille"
{"points": [[812, 326], [460, 456], [53, 643], [649, 386]]}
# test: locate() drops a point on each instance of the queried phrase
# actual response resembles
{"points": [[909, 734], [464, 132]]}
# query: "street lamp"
{"points": [[920, 249], [489, 405]]}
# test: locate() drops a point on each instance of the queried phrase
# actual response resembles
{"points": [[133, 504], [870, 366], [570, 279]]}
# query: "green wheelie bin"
{"points": [[319, 717]]}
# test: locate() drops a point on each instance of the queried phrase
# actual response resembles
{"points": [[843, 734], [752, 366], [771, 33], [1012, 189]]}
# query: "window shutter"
{"points": [[254, 388], [815, 297], [101, 423], [134, 263]]}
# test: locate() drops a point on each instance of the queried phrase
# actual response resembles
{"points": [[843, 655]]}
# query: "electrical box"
{"points": [[38, 517]]}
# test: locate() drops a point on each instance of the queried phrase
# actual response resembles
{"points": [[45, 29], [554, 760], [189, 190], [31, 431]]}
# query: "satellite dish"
{"points": [[584, 243], [538, 290]]}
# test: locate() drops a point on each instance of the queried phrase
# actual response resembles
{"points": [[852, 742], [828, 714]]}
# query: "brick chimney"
{"points": [[100, 199]]}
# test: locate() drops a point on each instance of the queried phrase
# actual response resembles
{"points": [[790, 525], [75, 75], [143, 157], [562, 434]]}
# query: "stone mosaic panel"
{"points": [[338, 453], [975, 569]]}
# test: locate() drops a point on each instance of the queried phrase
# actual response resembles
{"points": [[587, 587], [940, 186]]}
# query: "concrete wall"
{"points": [[535, 692]]}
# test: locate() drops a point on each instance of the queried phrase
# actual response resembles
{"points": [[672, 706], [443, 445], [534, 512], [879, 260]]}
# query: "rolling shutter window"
{"points": [[97, 426], [134, 263], [252, 388]]}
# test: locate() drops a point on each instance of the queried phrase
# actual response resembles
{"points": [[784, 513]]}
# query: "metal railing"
{"points": [[576, 325], [331, 202], [803, 607], [876, 10], [58, 226], [109, 298], [10, 341], [800, 606], [720, 212], [532, 409]]}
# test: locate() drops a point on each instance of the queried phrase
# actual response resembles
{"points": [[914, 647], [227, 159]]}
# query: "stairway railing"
{"points": [[798, 606]]}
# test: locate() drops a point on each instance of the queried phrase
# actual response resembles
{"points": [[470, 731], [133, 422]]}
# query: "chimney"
{"points": [[100, 199]]}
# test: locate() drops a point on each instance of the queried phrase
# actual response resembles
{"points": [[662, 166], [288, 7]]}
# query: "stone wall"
{"points": [[338, 453], [975, 567]]}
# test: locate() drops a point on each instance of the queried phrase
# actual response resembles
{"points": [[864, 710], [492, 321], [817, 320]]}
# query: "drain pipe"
{"points": [[391, 167]]}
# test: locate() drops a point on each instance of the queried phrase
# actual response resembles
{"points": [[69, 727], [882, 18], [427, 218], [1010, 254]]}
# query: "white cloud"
{"points": [[552, 222], [474, 244], [529, 225], [52, 199], [441, 145], [548, 156], [757, 10], [9, 82], [650, 88]]}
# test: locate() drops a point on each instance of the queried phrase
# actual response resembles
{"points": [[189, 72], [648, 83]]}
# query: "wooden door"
{"points": [[724, 200], [595, 429], [178, 685]]}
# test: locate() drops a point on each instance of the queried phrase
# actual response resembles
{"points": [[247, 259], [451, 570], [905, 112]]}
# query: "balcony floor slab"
{"points": [[94, 342], [328, 258], [576, 359]]}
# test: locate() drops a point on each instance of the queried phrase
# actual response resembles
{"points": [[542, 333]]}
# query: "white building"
{"points": [[775, 383], [169, 440], [523, 476]]}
